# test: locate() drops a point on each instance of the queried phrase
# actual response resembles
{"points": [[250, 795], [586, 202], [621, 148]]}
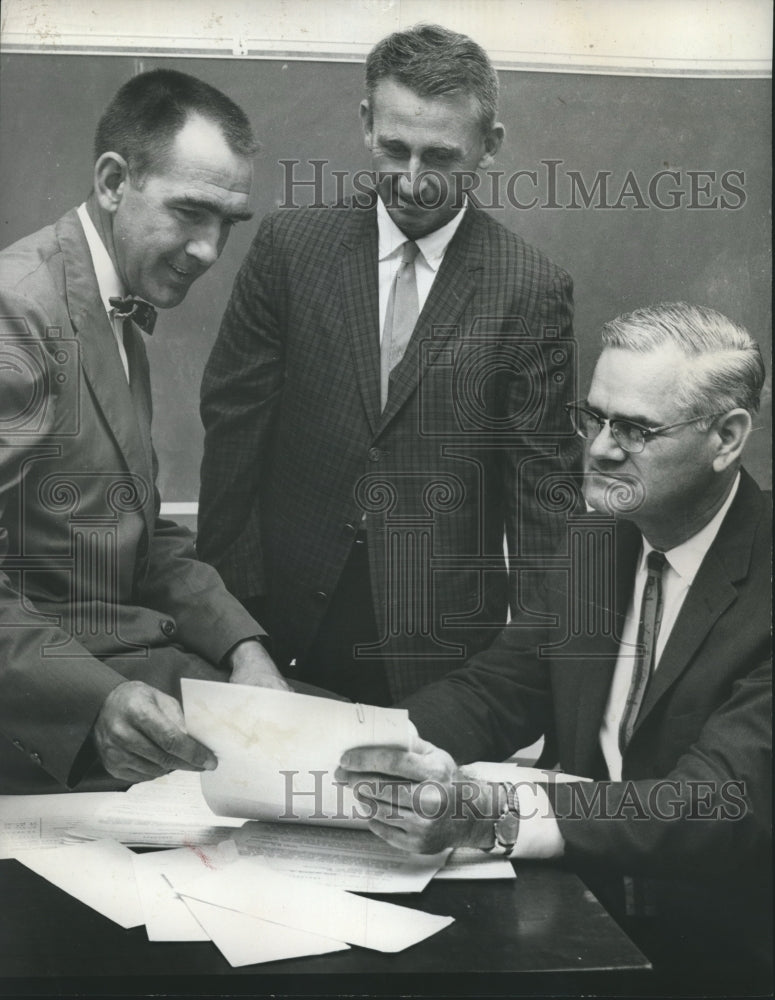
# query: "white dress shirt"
{"points": [[426, 265], [681, 567], [108, 281]]}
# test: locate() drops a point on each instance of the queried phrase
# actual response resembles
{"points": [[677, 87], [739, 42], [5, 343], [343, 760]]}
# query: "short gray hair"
{"points": [[432, 61], [727, 366]]}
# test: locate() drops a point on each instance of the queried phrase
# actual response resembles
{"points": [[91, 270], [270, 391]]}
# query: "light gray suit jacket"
{"points": [[94, 586]]}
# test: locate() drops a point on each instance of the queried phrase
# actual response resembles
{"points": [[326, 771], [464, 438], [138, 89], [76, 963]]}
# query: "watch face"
{"points": [[507, 828]]}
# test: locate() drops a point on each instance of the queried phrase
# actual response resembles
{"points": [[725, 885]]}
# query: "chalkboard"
{"points": [[592, 148]]}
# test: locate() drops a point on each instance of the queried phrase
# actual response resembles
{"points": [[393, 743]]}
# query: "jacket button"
{"points": [[320, 595], [374, 454], [18, 744], [35, 758], [350, 528], [168, 626]]}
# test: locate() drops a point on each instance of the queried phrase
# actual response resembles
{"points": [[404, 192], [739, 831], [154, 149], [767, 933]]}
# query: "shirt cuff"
{"points": [[539, 833]]}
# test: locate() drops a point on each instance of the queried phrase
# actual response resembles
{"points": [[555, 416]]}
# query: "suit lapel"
{"points": [[453, 287], [592, 674], [711, 593], [100, 358], [586, 683], [709, 596], [359, 291]]}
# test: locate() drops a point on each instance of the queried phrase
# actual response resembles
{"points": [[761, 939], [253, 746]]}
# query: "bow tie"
{"points": [[142, 313]]}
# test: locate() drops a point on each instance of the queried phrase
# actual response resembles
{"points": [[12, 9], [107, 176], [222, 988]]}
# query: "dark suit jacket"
{"points": [[705, 725], [87, 568], [297, 448]]}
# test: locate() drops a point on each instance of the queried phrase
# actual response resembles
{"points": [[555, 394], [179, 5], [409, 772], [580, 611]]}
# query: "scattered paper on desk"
{"points": [[356, 860], [279, 898], [167, 812], [470, 863], [37, 821], [278, 751], [99, 874], [167, 918], [246, 940]]}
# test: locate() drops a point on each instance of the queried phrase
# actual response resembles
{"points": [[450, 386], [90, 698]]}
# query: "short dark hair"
{"points": [[432, 60], [146, 114]]}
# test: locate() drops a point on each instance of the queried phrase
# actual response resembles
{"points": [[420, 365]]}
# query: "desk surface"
{"points": [[545, 926]]}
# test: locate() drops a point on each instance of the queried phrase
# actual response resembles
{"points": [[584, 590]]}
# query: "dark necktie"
{"points": [[139, 311], [403, 308], [129, 348], [648, 630]]}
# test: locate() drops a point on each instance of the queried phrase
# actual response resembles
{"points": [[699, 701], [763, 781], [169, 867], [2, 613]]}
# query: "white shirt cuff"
{"points": [[539, 834]]}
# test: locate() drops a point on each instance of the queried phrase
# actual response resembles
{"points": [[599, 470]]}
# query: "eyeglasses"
{"points": [[628, 434]]}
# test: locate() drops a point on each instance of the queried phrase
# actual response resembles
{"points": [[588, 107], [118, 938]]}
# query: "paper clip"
{"points": [[359, 712]]}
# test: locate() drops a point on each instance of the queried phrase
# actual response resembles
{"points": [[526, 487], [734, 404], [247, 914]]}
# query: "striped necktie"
{"points": [[648, 630]]}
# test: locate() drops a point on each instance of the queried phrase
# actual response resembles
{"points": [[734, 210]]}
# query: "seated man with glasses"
{"points": [[653, 678]]}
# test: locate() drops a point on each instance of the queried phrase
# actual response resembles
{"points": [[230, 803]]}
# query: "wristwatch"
{"points": [[506, 826]]}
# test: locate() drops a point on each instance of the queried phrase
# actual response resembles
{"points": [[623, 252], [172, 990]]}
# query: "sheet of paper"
{"points": [[167, 812], [36, 821], [246, 940], [278, 751], [356, 860], [470, 863], [167, 918], [100, 874], [508, 770], [252, 888]]}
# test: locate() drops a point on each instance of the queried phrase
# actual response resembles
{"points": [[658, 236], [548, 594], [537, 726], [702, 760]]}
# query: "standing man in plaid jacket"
{"points": [[385, 399]]}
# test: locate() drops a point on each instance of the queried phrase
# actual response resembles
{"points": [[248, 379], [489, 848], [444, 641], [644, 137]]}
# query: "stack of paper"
{"points": [[167, 812], [29, 822], [355, 860], [171, 812]]}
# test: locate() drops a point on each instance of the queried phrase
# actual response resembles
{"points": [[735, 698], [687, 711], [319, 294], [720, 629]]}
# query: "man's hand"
{"points": [[417, 799], [139, 735], [251, 664]]}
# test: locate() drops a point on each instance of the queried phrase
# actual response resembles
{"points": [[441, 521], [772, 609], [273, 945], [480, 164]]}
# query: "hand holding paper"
{"points": [[278, 751], [427, 804], [139, 734]]}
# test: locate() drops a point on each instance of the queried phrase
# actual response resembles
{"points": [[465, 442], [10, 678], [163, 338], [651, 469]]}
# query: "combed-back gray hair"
{"points": [[431, 61], [727, 370]]}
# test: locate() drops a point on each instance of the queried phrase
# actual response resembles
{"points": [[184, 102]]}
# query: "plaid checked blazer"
{"points": [[473, 434]]}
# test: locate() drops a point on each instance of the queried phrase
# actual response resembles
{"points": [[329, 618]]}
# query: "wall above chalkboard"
{"points": [[650, 38]]}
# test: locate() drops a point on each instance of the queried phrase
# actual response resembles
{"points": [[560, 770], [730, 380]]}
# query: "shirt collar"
{"points": [[687, 557], [432, 247], [108, 281]]}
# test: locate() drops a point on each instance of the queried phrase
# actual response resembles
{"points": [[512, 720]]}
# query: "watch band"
{"points": [[506, 826]]}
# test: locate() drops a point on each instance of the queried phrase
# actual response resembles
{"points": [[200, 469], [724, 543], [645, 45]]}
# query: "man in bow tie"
{"points": [[103, 605]]}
